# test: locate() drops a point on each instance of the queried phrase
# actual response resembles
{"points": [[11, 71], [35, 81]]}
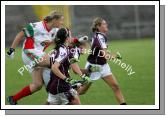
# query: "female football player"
{"points": [[97, 59], [62, 58], [75, 49], [38, 36]]}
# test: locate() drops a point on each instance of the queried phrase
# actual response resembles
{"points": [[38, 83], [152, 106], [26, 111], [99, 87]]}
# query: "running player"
{"points": [[77, 46], [38, 36], [98, 61], [62, 58]]}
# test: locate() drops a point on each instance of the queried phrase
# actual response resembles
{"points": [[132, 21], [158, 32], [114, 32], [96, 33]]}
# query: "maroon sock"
{"points": [[23, 93]]}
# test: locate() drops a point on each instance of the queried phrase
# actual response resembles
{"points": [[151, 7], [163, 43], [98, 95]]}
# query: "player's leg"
{"points": [[110, 79], [84, 88], [75, 101], [29, 57], [73, 97], [44, 61], [94, 75], [37, 82], [29, 89], [112, 82]]}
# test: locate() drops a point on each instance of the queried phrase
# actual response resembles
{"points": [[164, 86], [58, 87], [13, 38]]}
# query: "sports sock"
{"points": [[24, 92]]}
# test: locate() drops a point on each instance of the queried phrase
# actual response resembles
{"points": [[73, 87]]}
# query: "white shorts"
{"points": [[30, 56], [104, 71], [46, 76], [61, 99]]}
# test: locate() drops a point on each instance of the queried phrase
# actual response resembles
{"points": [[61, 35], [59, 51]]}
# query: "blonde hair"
{"points": [[53, 15], [96, 22]]}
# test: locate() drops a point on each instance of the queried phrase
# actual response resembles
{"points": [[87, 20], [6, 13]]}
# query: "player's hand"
{"points": [[10, 53], [70, 80], [83, 38], [118, 55], [86, 79]]}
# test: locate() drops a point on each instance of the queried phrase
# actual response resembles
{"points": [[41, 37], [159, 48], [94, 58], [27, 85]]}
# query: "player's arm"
{"points": [[55, 70], [113, 55], [104, 50], [16, 41], [56, 64], [52, 43], [76, 69], [27, 32]]}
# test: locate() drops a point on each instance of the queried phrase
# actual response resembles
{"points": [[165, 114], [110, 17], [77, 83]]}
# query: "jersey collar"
{"points": [[45, 26], [105, 35]]}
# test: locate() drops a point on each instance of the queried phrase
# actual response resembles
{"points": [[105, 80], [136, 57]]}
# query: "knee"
{"points": [[81, 92], [37, 86]]}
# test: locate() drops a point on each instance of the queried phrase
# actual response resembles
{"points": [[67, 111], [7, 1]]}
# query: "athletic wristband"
{"points": [[82, 76], [67, 80], [12, 49]]}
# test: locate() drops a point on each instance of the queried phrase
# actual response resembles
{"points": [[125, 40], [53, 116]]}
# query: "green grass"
{"points": [[138, 89]]}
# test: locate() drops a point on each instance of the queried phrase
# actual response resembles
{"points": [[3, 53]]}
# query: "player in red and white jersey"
{"points": [[38, 36]]}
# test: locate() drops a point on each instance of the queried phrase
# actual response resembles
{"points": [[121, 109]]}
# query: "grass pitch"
{"points": [[138, 88]]}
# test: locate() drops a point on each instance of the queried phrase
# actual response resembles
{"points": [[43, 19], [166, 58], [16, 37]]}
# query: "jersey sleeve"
{"points": [[28, 30], [74, 57], [102, 41]]}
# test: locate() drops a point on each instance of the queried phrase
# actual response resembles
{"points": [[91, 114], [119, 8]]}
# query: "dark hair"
{"points": [[61, 37], [53, 15], [96, 22]]}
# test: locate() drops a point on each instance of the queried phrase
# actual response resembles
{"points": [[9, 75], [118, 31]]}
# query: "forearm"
{"points": [[76, 69], [58, 73], [84, 71], [17, 39], [112, 55]]}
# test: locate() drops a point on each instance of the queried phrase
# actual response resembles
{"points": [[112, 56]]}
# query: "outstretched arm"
{"points": [[17, 39]]}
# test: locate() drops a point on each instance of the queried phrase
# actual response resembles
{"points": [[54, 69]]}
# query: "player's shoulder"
{"points": [[101, 37], [37, 25], [63, 50]]}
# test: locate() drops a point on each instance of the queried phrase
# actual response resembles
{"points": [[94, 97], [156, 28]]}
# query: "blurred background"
{"points": [[125, 21]]}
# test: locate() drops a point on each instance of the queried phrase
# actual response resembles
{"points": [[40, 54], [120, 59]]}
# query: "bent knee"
{"points": [[81, 92], [37, 86]]}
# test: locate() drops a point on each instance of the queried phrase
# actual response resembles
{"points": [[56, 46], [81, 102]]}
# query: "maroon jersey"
{"points": [[99, 41], [63, 56]]}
